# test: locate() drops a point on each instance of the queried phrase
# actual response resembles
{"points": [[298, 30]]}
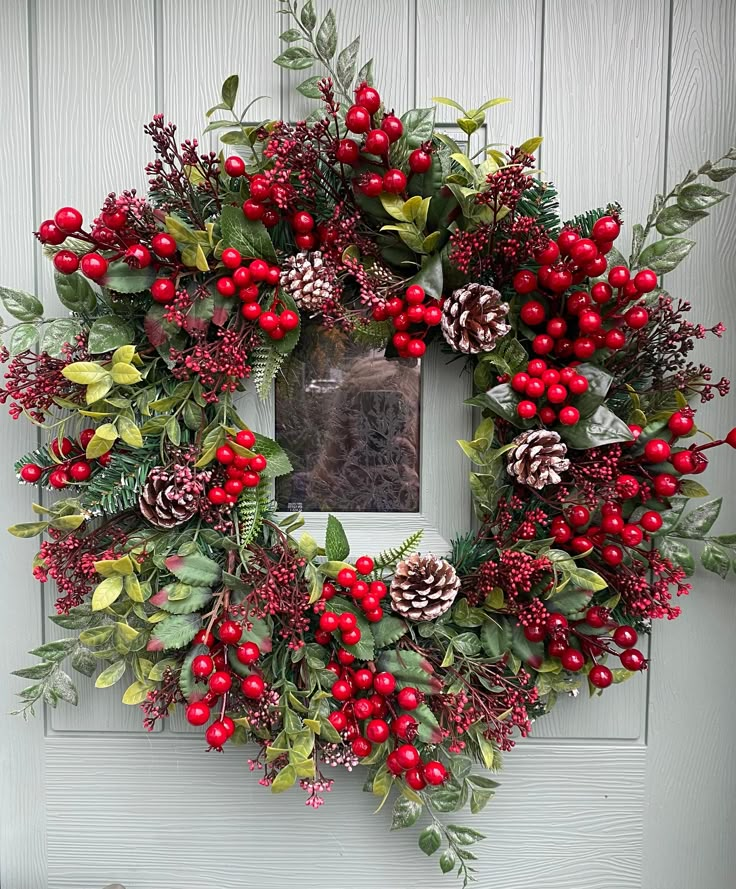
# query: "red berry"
{"points": [[651, 521], [416, 348], [615, 339], [328, 622], [302, 222], [253, 210], [526, 409], [364, 565], [525, 282], [216, 735], [657, 450], [260, 189], [731, 438], [559, 280], [230, 632], [625, 636], [368, 97], [407, 756], [251, 479], [163, 245], [80, 471], [358, 119], [601, 292], [248, 653], [555, 622], [351, 637], [345, 657], [606, 229], [363, 679], [434, 772], [268, 321], [637, 317], [581, 544], [225, 454], [631, 535], [362, 709], [94, 266], [548, 254], [683, 461], [346, 621], [270, 217], [338, 720], [384, 683], [376, 142], [589, 321], [347, 151], [217, 495], [535, 632], [393, 127], [342, 690], [253, 686], [666, 485], [50, 233], [361, 747], [394, 181], [58, 478], [415, 780], [578, 515], [346, 577], [163, 290], [680, 423], [420, 161], [572, 659], [371, 184], [408, 698], [596, 617], [393, 764], [220, 682], [600, 676], [566, 239], [533, 312], [557, 394], [569, 415], [231, 258], [519, 381], [632, 659], [68, 220], [612, 524], [139, 255], [234, 165], [198, 713], [556, 647], [245, 438], [202, 666], [66, 262], [377, 731], [61, 449], [618, 276], [31, 472], [584, 348], [612, 554], [583, 251], [645, 281], [378, 588]]}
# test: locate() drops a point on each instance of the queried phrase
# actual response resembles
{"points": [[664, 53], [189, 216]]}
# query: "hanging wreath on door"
{"points": [[163, 541]]}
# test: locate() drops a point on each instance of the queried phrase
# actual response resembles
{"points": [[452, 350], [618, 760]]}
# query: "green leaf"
{"points": [[109, 333], [697, 523], [665, 255], [584, 577], [196, 569], [63, 688], [57, 334], [430, 839], [496, 637], [418, 126], [249, 237], [716, 558], [278, 461], [174, 632], [388, 630], [678, 553], [104, 438], [447, 861], [467, 644], [466, 836], [430, 276], [337, 547], [110, 675], [130, 433], [54, 651], [121, 278], [75, 293], [346, 61], [699, 197], [38, 671], [308, 88], [21, 305], [197, 598], [602, 427], [691, 488], [229, 91], [28, 529], [291, 35], [674, 220], [295, 58], [84, 372], [285, 779], [308, 15], [22, 338], [106, 592], [136, 693], [405, 813], [327, 36]]}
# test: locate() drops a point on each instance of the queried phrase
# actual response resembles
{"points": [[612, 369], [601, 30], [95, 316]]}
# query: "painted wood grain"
{"points": [[471, 51], [201, 45], [561, 812], [22, 822], [691, 774], [604, 103]]}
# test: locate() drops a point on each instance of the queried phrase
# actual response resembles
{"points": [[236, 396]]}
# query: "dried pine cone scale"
{"points": [[473, 319], [538, 458], [170, 496], [423, 587]]}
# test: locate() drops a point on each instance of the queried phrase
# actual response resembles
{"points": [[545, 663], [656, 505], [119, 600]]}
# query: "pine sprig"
{"points": [[41, 457], [117, 487], [585, 221], [542, 202]]}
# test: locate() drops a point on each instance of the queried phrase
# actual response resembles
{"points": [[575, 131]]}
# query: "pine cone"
{"points": [[473, 319], [308, 280], [424, 587], [538, 458], [170, 496]]}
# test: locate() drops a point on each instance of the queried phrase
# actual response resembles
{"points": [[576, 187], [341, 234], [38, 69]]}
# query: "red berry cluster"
{"points": [[266, 199], [367, 595], [411, 318], [589, 319], [559, 634], [540, 383], [361, 119], [74, 467], [214, 668], [241, 471]]}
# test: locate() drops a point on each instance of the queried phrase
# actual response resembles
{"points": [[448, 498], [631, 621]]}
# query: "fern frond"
{"points": [[252, 508], [265, 365], [389, 557]]}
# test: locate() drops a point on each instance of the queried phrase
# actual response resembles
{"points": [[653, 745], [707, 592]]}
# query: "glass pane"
{"points": [[349, 420]]}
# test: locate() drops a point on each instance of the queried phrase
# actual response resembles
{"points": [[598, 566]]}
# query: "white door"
{"points": [[632, 791]]}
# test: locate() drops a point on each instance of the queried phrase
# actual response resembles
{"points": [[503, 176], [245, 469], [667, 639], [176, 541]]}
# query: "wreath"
{"points": [[165, 544]]}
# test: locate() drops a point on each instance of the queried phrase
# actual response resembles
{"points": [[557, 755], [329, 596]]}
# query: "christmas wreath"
{"points": [[168, 554]]}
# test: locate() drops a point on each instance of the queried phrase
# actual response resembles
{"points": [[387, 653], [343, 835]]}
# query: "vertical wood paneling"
{"points": [[691, 785], [603, 103], [96, 75], [22, 766], [471, 51], [202, 44]]}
